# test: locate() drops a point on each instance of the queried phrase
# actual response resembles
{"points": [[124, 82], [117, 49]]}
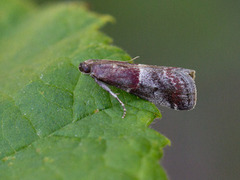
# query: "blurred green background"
{"points": [[202, 35]]}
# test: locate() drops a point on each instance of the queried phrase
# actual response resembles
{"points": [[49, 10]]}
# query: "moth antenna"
{"points": [[131, 60], [105, 87]]}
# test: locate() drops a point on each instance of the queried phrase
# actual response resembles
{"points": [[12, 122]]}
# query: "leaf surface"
{"points": [[57, 123]]}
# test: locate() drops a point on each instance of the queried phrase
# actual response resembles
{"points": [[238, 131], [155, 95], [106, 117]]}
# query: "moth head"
{"points": [[86, 66]]}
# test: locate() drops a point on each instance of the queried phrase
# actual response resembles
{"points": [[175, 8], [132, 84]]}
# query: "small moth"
{"points": [[167, 86]]}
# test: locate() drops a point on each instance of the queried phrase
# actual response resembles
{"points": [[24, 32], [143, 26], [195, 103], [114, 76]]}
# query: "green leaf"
{"points": [[56, 123]]}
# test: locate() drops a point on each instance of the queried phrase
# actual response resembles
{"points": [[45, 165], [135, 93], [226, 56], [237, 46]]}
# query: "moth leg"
{"points": [[105, 87]]}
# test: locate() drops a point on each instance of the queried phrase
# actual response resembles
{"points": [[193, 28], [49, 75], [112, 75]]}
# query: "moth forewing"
{"points": [[167, 86]]}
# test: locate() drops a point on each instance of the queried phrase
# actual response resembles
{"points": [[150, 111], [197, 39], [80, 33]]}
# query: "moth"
{"points": [[172, 87]]}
